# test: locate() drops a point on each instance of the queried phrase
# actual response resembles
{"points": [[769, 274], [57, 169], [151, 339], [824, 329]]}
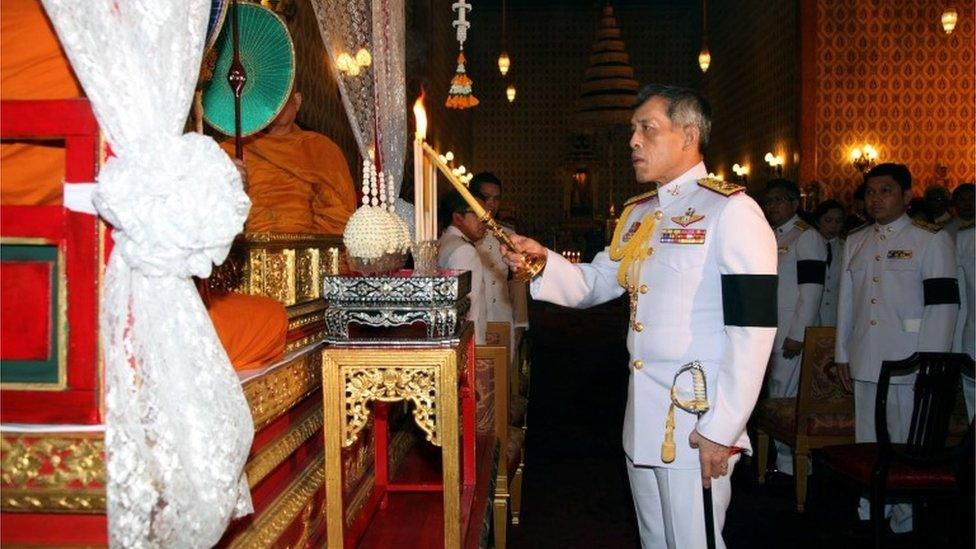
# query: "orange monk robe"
{"points": [[251, 328], [298, 183], [32, 66]]}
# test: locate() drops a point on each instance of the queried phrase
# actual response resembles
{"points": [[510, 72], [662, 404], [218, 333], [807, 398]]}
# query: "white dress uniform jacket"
{"points": [[966, 328], [457, 252], [802, 256], [828, 303], [898, 295], [706, 293]]}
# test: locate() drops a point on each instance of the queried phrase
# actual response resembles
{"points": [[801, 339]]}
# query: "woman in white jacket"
{"points": [[828, 218]]}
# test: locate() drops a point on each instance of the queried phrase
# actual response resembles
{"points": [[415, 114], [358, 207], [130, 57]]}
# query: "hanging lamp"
{"points": [[704, 56], [504, 62]]}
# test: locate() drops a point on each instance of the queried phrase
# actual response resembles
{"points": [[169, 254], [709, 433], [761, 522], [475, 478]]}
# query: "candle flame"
{"points": [[420, 115]]}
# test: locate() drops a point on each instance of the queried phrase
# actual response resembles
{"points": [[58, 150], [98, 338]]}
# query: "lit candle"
{"points": [[419, 182]]}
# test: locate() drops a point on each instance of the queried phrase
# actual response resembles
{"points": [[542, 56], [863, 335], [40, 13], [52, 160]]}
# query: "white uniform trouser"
{"points": [[784, 379], [670, 513], [901, 401]]}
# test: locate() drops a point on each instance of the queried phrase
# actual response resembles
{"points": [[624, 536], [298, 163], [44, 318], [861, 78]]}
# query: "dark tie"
{"points": [[830, 254]]}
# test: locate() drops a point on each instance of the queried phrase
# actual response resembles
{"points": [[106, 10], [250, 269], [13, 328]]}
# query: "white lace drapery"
{"points": [[178, 428], [375, 99]]}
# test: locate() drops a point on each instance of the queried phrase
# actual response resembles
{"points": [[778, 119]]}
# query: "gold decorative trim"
{"points": [[269, 525], [278, 451], [272, 394], [303, 309], [302, 321], [53, 501], [27, 241], [358, 500], [418, 384], [292, 238], [54, 472], [305, 341]]}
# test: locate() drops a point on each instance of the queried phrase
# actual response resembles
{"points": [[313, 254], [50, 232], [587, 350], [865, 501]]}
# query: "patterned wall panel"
{"points": [[527, 143], [888, 75], [753, 86]]}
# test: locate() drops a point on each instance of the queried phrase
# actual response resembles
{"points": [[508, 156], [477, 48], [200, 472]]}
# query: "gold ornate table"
{"points": [[439, 380]]}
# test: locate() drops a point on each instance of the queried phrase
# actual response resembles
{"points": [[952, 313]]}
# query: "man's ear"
{"points": [[906, 197], [691, 136], [297, 97]]}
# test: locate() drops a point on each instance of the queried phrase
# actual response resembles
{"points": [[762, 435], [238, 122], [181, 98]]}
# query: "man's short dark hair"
{"points": [[961, 188], [824, 207], [686, 107], [480, 179], [791, 189], [898, 172], [451, 203]]}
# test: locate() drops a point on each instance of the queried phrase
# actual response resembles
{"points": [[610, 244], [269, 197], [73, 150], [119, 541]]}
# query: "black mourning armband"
{"points": [[940, 291], [811, 271], [749, 300]]}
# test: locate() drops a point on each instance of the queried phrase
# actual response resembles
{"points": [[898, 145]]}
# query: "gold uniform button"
{"points": [[876, 279], [638, 327], [874, 300], [643, 288], [638, 364], [877, 258], [658, 215], [874, 322]]}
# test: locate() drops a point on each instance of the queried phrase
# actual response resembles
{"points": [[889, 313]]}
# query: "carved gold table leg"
{"points": [[333, 386], [448, 426]]}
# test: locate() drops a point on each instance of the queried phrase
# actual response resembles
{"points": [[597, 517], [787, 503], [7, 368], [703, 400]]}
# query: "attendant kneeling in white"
{"points": [[699, 263], [898, 295]]}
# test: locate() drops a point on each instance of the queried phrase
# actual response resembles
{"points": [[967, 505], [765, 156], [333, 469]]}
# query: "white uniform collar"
{"points": [[681, 186], [451, 229], [893, 227], [788, 225]]}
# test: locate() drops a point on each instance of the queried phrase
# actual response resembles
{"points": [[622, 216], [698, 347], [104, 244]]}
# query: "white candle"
{"points": [[419, 225]]}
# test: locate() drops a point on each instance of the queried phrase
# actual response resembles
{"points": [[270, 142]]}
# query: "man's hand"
{"points": [[844, 374], [713, 456], [528, 247], [242, 169], [792, 348]]}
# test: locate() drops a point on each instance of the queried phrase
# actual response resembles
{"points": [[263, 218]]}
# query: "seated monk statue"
{"points": [[32, 66], [298, 180]]}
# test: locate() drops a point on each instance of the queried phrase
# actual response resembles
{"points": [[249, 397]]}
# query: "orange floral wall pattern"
{"points": [[889, 76]]}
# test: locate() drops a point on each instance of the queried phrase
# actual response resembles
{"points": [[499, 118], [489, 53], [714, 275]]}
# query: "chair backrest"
{"points": [[936, 387], [821, 390]]}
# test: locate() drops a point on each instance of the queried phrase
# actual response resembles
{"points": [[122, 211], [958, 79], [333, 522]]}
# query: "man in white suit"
{"points": [[699, 264], [456, 250], [898, 295], [801, 269]]}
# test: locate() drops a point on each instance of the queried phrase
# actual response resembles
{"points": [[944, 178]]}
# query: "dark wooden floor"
{"points": [[576, 492]]}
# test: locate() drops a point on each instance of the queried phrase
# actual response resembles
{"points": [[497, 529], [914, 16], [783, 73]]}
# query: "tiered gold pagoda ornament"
{"points": [[609, 90], [460, 95]]}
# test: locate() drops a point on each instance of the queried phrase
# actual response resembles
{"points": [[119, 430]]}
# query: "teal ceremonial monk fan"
{"points": [[268, 58]]}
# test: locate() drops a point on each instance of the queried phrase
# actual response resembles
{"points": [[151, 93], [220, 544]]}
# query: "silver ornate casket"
{"points": [[389, 308]]}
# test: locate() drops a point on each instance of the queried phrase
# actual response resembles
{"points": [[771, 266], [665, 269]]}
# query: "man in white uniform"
{"points": [[699, 264], [456, 250], [898, 295], [801, 269], [498, 300], [966, 338]]}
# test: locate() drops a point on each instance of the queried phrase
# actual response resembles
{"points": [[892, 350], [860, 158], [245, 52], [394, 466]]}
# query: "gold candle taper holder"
{"points": [[532, 264]]}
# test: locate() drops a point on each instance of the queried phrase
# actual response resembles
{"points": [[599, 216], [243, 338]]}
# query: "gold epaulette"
{"points": [[641, 198], [930, 227], [801, 224], [724, 188], [968, 225]]}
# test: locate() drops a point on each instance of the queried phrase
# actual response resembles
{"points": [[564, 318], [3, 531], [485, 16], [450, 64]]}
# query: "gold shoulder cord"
{"points": [[635, 251]]}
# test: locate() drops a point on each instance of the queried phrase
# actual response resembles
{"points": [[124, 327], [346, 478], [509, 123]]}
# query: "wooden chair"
{"points": [[925, 464], [823, 410], [492, 372]]}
